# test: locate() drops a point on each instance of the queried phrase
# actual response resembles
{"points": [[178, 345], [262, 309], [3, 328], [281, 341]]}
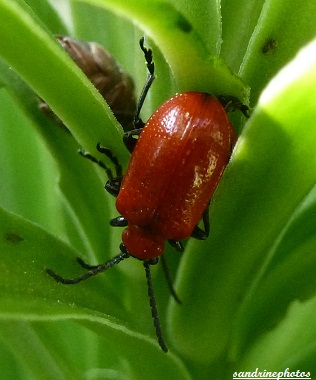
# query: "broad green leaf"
{"points": [[295, 350], [30, 294], [170, 28], [260, 255]]}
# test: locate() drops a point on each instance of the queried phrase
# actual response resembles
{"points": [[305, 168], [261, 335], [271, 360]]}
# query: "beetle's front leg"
{"points": [[200, 234], [119, 221], [110, 155], [113, 159]]}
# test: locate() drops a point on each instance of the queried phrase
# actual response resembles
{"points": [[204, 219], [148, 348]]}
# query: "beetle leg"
{"points": [[96, 161], [119, 221], [113, 185], [200, 234], [113, 159], [150, 78], [109, 154], [130, 138], [153, 306], [177, 245], [231, 103], [168, 279]]}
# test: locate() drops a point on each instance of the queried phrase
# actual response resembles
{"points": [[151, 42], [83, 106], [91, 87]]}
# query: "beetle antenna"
{"points": [[150, 78], [94, 269], [153, 307]]}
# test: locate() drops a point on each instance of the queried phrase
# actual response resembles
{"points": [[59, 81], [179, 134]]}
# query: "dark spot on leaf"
{"points": [[13, 237], [173, 17], [269, 46], [183, 24]]}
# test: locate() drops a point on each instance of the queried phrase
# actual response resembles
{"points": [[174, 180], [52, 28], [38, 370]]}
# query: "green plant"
{"points": [[249, 291]]}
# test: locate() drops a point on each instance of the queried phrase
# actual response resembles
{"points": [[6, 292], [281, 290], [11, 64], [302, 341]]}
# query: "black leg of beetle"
{"points": [[153, 306], [169, 281], [94, 270], [150, 78], [109, 154], [119, 221], [200, 234], [130, 139], [231, 103], [113, 186], [177, 245], [96, 161], [114, 160]]}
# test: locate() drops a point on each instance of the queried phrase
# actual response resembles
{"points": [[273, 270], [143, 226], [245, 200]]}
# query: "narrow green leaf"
{"points": [[239, 21], [282, 29], [77, 178], [43, 64], [48, 15]]}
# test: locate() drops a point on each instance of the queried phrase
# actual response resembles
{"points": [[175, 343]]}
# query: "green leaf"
{"points": [[281, 30], [239, 19], [239, 288], [30, 294], [47, 68], [48, 15], [20, 148], [169, 27], [295, 350], [40, 361], [71, 168]]}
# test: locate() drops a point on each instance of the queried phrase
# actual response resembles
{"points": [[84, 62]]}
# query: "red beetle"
{"points": [[173, 172], [177, 160]]}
